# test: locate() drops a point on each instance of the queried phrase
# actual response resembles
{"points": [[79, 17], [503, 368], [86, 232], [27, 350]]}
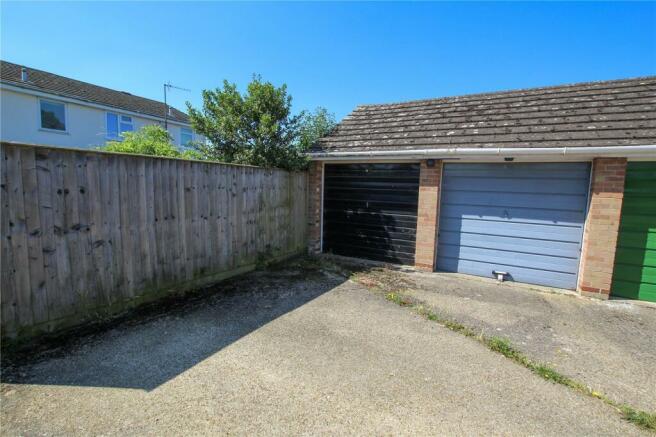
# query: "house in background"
{"points": [[553, 186], [37, 107]]}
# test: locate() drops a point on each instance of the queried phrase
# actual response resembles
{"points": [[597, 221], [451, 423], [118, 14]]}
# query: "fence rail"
{"points": [[88, 233]]}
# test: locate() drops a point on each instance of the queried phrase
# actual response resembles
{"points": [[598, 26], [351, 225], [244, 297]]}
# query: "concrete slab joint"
{"points": [[602, 227], [430, 179]]}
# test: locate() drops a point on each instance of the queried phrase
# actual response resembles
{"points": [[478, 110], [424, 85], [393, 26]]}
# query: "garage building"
{"points": [[553, 186]]}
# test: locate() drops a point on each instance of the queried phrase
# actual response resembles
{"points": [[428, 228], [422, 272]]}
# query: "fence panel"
{"points": [[88, 234]]}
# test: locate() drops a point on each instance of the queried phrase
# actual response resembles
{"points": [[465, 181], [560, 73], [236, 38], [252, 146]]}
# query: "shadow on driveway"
{"points": [[147, 351]]}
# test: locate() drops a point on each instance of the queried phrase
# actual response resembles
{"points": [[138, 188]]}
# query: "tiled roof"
{"points": [[610, 113], [63, 86]]}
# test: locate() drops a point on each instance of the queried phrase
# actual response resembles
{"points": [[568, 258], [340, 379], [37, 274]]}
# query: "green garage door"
{"points": [[635, 260]]}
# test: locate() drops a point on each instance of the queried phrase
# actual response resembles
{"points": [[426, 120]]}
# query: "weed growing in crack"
{"points": [[502, 346], [641, 418], [399, 299]]}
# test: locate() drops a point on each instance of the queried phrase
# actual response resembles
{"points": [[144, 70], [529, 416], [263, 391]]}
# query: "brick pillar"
{"points": [[430, 179], [601, 227], [315, 180]]}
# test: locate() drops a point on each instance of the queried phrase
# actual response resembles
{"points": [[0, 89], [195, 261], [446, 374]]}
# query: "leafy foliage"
{"points": [[256, 127], [313, 126], [149, 140]]}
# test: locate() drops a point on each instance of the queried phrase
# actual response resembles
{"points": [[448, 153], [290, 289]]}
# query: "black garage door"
{"points": [[370, 211]]}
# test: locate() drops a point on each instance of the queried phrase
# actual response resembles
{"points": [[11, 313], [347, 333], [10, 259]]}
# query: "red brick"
{"points": [[428, 214], [601, 228], [315, 176]]}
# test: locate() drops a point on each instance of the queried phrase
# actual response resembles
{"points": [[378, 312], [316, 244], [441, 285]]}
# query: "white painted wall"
{"points": [[20, 121]]}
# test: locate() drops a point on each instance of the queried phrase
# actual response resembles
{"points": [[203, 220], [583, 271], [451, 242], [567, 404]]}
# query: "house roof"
{"points": [[50, 83], [609, 113]]}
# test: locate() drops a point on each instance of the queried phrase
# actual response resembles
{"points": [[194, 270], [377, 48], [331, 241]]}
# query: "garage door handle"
{"points": [[500, 275]]}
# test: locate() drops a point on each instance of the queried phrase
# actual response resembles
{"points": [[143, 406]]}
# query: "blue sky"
{"points": [[335, 55]]}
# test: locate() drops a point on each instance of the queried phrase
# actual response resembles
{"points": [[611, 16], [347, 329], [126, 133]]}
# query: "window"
{"points": [[126, 124], [53, 115], [186, 136], [117, 124]]}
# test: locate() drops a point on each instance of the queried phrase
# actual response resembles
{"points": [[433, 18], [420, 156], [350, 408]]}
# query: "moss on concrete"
{"points": [[149, 293]]}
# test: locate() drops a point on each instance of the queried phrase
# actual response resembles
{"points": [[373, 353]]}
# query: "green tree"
{"points": [[256, 127], [149, 140], [314, 125]]}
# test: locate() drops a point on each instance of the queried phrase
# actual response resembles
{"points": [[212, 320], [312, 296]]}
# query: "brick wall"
{"points": [[315, 180], [427, 216], [601, 228]]}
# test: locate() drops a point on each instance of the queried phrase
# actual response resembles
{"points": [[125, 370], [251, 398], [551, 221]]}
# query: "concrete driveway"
{"points": [[294, 351], [608, 345]]}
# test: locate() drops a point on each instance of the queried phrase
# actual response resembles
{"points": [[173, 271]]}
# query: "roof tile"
{"points": [[609, 113], [63, 86]]}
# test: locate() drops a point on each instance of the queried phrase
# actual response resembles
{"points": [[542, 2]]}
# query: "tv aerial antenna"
{"points": [[167, 87]]}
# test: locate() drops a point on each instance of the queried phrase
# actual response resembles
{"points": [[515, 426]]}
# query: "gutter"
{"points": [[646, 151]]}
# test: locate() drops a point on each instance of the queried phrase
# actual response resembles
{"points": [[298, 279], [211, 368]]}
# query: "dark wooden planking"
{"points": [[364, 219], [37, 270], [113, 227], [113, 222], [7, 265], [149, 178], [72, 223], [167, 245], [129, 256], [90, 284], [159, 220], [97, 236], [62, 302], [181, 228], [18, 233], [367, 214], [371, 254]]}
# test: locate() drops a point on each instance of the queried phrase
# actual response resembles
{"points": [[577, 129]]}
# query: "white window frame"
{"points": [[39, 121], [118, 115], [191, 132]]}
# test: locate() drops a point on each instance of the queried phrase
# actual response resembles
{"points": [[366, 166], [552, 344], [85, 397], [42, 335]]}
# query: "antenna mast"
{"points": [[168, 86]]}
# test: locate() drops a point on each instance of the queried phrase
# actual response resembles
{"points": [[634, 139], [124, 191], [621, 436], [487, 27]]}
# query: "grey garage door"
{"points": [[524, 219]]}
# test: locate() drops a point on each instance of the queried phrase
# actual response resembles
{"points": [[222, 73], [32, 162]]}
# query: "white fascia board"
{"points": [[81, 102], [551, 153]]}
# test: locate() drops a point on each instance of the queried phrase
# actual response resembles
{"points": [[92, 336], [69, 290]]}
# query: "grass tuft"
{"points": [[399, 299], [640, 418], [504, 347], [552, 375]]}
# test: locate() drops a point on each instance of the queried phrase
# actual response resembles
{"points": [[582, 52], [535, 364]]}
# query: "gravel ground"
{"points": [[289, 352], [609, 345]]}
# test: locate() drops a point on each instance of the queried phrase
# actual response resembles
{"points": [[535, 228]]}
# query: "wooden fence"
{"points": [[88, 234]]}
